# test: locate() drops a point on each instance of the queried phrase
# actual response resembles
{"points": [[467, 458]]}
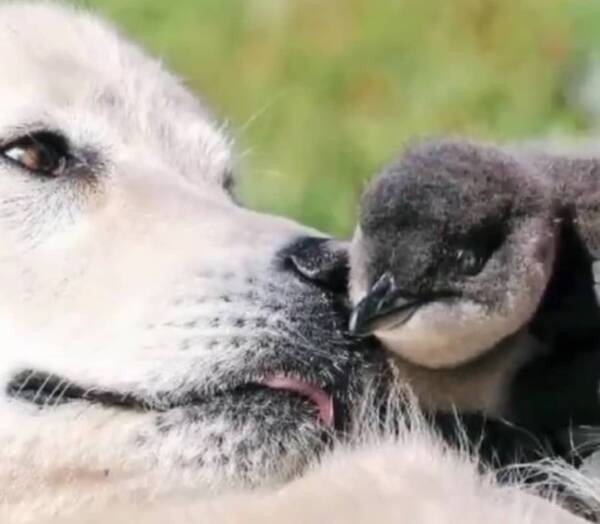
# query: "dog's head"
{"points": [[140, 306]]}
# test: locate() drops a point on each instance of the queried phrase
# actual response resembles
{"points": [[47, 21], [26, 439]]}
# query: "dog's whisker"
{"points": [[62, 393], [41, 389], [48, 400]]}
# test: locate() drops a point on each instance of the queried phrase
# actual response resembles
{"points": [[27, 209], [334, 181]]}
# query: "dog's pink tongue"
{"points": [[322, 400]]}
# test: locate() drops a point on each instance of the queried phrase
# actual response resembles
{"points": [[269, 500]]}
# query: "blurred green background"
{"points": [[321, 93]]}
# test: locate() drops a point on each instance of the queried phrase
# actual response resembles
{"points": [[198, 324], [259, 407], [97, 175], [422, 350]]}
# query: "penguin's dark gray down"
{"points": [[465, 264], [453, 252]]}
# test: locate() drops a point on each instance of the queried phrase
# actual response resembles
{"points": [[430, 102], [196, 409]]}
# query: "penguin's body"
{"points": [[458, 266]]}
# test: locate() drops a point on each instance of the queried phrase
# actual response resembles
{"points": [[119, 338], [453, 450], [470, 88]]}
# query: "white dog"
{"points": [[160, 343]]}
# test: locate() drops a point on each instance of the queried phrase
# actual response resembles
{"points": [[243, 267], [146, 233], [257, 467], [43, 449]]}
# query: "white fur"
{"points": [[410, 477], [96, 287], [412, 482]]}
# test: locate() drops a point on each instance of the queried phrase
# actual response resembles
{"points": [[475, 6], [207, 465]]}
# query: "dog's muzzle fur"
{"points": [[142, 310]]}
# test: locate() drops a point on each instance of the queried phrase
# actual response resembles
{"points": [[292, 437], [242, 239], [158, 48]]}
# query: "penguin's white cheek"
{"points": [[445, 335]]}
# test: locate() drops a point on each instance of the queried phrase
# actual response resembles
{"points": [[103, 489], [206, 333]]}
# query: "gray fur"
{"points": [[441, 197], [440, 203], [523, 213]]}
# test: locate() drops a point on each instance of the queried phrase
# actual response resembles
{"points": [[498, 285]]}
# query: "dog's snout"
{"points": [[323, 261]]}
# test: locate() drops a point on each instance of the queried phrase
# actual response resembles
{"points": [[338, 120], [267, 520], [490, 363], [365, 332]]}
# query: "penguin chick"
{"points": [[453, 252]]}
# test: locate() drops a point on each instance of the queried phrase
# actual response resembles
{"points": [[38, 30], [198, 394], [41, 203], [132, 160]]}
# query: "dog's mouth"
{"points": [[50, 390]]}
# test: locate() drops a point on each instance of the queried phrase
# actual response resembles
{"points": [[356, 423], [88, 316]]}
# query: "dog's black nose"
{"points": [[323, 261]]}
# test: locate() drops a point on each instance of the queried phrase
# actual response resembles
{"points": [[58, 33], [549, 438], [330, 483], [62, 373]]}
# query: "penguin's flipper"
{"points": [[586, 224]]}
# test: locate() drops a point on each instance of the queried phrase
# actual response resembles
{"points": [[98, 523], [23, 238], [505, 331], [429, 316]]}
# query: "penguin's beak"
{"points": [[384, 307]]}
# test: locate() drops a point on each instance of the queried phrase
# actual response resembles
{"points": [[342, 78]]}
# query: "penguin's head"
{"points": [[453, 251]]}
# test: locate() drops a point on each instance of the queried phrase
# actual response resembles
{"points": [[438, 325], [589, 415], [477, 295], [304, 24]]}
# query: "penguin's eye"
{"points": [[469, 262], [42, 153], [477, 248]]}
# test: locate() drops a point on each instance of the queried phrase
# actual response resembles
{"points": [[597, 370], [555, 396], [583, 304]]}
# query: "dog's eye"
{"points": [[43, 153]]}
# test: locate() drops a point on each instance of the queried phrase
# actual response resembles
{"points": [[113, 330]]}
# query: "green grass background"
{"points": [[321, 93]]}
